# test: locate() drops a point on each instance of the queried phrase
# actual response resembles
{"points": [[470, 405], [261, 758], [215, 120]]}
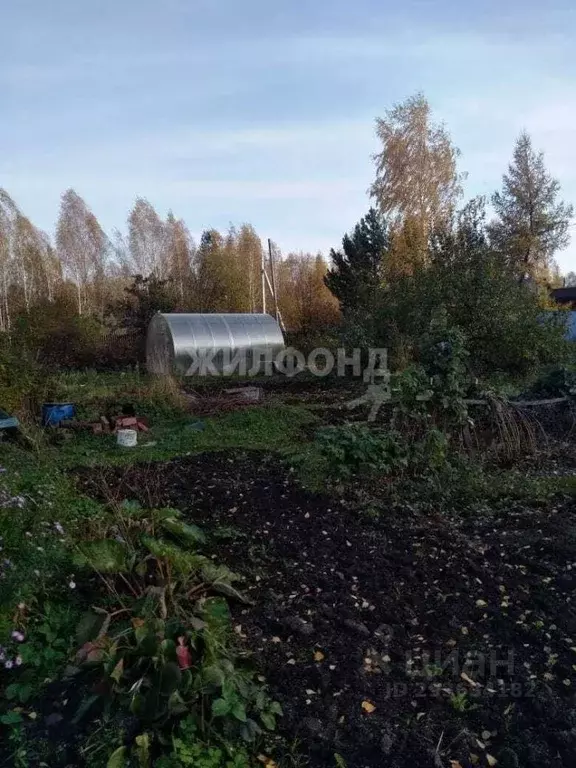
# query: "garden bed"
{"points": [[354, 617]]}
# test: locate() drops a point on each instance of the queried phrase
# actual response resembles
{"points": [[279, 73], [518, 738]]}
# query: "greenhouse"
{"points": [[220, 344]]}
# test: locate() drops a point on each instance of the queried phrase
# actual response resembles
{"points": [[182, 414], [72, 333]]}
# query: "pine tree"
{"points": [[357, 269], [531, 223]]}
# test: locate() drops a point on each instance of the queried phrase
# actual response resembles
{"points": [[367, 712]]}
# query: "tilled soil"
{"points": [[416, 641]]}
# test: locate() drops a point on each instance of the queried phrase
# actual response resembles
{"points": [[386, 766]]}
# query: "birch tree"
{"points": [[148, 240], [81, 247]]}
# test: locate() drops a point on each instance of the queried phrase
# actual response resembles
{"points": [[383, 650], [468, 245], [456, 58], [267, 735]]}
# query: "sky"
{"points": [[262, 111]]}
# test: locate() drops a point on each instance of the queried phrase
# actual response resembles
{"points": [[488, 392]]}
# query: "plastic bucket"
{"points": [[54, 413], [127, 438]]}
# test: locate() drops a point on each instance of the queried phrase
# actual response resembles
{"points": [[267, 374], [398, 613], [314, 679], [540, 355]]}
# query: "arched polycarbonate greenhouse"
{"points": [[188, 344]]}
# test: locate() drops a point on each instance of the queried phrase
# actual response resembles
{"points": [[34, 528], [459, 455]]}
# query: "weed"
{"points": [[187, 749], [460, 702]]}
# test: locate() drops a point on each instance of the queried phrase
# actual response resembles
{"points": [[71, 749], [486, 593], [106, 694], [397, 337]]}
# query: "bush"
{"points": [[351, 450], [504, 322]]}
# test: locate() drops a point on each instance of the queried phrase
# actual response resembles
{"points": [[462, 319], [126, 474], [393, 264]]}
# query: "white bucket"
{"points": [[127, 438]]}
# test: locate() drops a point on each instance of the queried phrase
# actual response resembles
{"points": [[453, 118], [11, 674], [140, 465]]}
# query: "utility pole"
{"points": [[273, 276], [263, 276]]}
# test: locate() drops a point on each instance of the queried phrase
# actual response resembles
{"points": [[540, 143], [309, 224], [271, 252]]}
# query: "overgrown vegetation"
{"points": [[116, 615]]}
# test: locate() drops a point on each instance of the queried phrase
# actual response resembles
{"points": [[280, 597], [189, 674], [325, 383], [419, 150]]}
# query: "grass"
{"points": [[276, 428], [38, 594], [39, 536], [38, 471]]}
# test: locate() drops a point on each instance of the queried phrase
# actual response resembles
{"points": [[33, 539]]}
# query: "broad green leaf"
{"points": [[227, 589], [118, 758], [215, 612], [176, 704], [166, 513], [187, 532], [239, 711], [250, 730], [132, 507], [138, 705], [104, 556], [220, 708], [88, 627], [85, 707], [11, 718], [213, 675], [275, 708], [142, 750], [184, 562], [212, 572], [269, 720]]}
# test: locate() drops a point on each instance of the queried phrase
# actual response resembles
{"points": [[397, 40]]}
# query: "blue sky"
{"points": [[263, 110]]}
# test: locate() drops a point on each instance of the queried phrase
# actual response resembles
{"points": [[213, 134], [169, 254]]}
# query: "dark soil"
{"points": [[402, 641]]}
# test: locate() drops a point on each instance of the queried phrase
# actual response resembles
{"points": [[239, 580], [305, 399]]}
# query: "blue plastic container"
{"points": [[54, 413]]}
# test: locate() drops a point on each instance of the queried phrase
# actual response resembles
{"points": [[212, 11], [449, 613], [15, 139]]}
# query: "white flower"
{"points": [[72, 584]]}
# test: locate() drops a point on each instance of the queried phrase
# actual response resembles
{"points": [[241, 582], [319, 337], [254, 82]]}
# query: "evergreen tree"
{"points": [[531, 223], [357, 269]]}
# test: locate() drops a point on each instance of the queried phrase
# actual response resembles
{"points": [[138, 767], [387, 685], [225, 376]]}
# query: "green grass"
{"points": [[40, 536], [277, 428]]}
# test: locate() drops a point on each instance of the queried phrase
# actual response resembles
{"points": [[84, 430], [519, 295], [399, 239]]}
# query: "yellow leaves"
{"points": [[368, 707], [474, 759], [267, 761], [118, 671], [481, 603], [455, 764], [319, 656], [491, 760]]}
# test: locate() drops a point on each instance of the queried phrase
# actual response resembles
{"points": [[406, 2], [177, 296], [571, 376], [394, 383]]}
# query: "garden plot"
{"points": [[437, 640]]}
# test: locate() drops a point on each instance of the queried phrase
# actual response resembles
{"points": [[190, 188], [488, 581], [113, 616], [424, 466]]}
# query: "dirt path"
{"points": [[355, 619]]}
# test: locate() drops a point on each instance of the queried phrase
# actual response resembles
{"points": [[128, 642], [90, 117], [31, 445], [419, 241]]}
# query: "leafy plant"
{"points": [[351, 449], [163, 648], [187, 749], [43, 652], [460, 702]]}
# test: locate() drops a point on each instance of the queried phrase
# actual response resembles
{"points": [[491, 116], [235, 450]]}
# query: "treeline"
{"points": [[89, 272], [421, 250], [422, 258]]}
